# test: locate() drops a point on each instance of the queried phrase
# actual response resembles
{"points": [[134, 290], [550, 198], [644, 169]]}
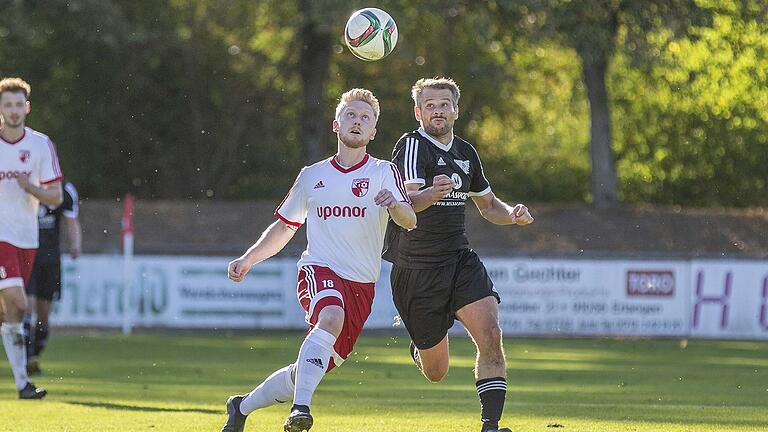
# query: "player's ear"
{"points": [[27, 108], [417, 112], [335, 125], [457, 110], [373, 134]]}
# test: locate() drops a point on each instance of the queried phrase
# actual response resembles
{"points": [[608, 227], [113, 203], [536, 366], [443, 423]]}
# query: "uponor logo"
{"points": [[344, 212], [8, 175]]}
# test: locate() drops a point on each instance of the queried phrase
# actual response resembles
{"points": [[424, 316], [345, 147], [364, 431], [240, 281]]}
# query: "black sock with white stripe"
{"points": [[492, 392]]}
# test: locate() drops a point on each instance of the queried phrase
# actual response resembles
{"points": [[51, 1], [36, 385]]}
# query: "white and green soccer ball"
{"points": [[371, 34]]}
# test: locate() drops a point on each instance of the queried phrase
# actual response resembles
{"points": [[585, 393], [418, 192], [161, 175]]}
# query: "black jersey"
{"points": [[440, 231], [49, 221]]}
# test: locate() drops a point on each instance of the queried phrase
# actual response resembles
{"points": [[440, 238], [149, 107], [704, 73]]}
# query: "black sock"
{"points": [[28, 333], [302, 408], [41, 339], [492, 392]]}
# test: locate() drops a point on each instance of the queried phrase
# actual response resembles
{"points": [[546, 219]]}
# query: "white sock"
{"points": [[314, 355], [277, 388], [16, 350]]}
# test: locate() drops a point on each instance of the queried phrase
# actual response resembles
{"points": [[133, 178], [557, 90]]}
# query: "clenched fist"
{"points": [[521, 215], [385, 199], [238, 269], [442, 185]]}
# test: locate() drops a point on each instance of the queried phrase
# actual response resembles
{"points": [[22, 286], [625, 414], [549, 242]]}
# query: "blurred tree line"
{"points": [[667, 99]]}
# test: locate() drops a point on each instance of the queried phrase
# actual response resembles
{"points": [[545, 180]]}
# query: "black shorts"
{"points": [[427, 299], [45, 282]]}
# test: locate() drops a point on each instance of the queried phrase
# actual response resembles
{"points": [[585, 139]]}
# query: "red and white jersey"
{"points": [[345, 227], [35, 155]]}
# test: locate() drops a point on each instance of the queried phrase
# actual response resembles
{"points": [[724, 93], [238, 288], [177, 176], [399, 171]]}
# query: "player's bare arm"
{"points": [[74, 236], [498, 212], [422, 199], [272, 241], [50, 194], [400, 212]]}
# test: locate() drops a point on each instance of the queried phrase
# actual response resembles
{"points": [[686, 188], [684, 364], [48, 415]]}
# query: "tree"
{"points": [[591, 27]]}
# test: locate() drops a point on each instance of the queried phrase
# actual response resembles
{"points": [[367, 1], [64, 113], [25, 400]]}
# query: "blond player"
{"points": [[29, 175], [346, 201]]}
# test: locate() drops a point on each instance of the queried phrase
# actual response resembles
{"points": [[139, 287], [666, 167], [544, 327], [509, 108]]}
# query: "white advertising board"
{"points": [[182, 292], [580, 297], [712, 299], [729, 299]]}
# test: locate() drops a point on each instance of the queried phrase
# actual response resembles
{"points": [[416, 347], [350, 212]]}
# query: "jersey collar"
{"points": [[23, 135], [350, 169], [441, 146]]}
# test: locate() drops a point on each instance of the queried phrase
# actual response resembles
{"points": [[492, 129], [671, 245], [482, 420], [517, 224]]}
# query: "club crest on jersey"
{"points": [[360, 187], [3, 274], [463, 164], [24, 155]]}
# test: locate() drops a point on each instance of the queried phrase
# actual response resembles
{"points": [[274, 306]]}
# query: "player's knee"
{"points": [[331, 319], [490, 341], [19, 304], [435, 372]]}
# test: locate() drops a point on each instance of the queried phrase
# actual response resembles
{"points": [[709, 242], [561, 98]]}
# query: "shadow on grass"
{"points": [[120, 407]]}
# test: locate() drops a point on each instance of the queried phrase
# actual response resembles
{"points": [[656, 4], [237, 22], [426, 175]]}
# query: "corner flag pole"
{"points": [[127, 235]]}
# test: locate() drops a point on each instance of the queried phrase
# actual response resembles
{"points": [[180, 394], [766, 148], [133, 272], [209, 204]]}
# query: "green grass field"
{"points": [[107, 382]]}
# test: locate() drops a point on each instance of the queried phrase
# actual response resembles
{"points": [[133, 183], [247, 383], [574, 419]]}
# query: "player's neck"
{"points": [[11, 134], [349, 157]]}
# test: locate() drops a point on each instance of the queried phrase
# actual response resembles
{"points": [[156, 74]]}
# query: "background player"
{"points": [[45, 283], [436, 277], [346, 201], [29, 175]]}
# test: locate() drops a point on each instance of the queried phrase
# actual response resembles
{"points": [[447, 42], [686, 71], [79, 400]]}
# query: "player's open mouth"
{"points": [[355, 131]]}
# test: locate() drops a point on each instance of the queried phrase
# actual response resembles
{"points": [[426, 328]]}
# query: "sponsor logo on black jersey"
{"points": [[463, 164]]}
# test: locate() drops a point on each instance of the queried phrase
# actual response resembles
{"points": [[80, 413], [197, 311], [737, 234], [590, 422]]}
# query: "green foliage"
{"points": [[195, 99], [693, 127]]}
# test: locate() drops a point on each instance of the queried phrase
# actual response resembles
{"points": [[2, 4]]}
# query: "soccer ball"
{"points": [[371, 34]]}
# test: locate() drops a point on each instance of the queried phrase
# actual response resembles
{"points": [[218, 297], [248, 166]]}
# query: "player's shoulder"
{"points": [[380, 165], [37, 138], [463, 145], [411, 139], [317, 166]]}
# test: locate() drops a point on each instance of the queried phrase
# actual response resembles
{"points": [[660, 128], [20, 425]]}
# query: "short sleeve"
{"points": [[50, 171], [293, 209], [393, 182], [479, 185], [70, 207], [409, 161]]}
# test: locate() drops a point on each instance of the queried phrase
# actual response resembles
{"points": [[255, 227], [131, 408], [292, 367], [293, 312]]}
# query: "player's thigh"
{"points": [[471, 281], [14, 302], [481, 319], [49, 280], [423, 300]]}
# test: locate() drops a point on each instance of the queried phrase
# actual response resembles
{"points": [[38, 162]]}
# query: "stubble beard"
{"points": [[438, 131], [353, 141]]}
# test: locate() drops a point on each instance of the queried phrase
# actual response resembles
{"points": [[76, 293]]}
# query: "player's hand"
{"points": [[442, 185], [521, 215], [238, 269], [74, 252], [23, 181], [385, 199]]}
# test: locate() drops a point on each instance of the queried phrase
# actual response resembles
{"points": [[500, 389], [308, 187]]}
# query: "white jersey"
{"points": [[35, 155], [345, 227]]}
